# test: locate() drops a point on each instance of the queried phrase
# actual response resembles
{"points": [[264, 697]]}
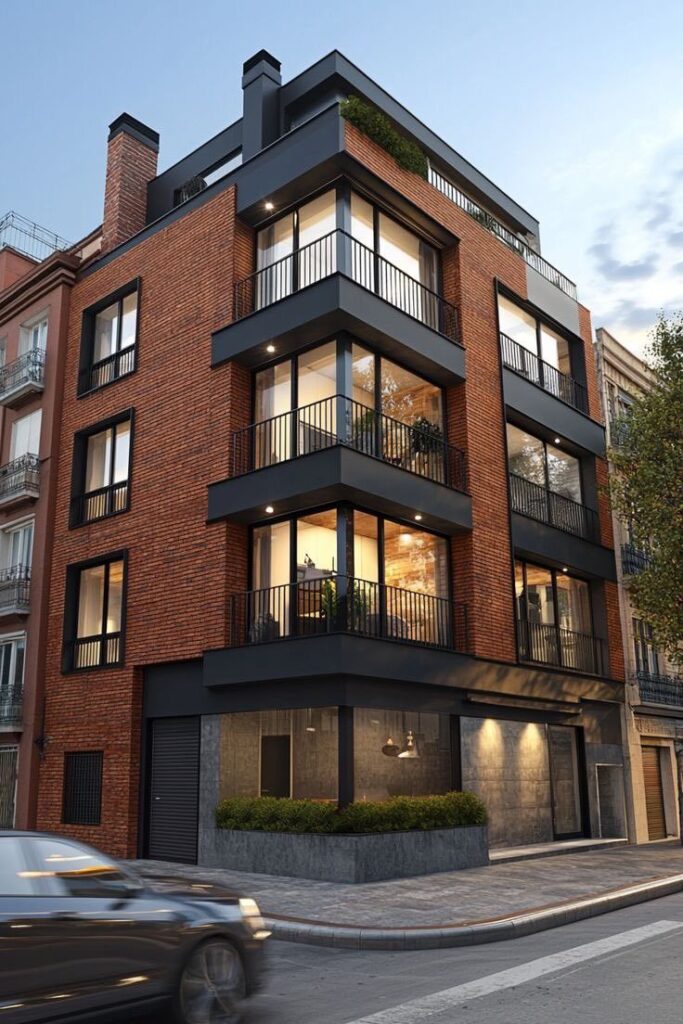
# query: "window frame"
{"points": [[89, 318], [12, 640], [554, 573], [79, 463], [644, 644], [71, 603], [69, 820], [575, 347], [546, 474]]}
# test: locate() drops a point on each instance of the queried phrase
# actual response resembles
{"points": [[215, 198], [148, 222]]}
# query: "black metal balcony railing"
{"points": [[345, 604], [342, 421], [105, 501], [527, 364], [104, 371], [633, 560], [340, 253], [530, 499], [11, 706], [96, 651], [15, 588], [20, 475], [27, 369], [660, 689], [561, 648]]}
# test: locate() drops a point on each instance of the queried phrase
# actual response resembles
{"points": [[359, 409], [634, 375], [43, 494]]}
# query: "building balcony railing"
{"points": [[633, 560], [11, 707], [345, 604], [488, 221], [340, 253], [19, 480], [95, 651], [660, 689], [530, 499], [342, 421], [527, 364], [106, 370], [561, 648], [22, 377], [29, 238], [15, 590], [100, 503]]}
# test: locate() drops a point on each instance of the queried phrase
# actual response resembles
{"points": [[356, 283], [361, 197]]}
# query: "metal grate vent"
{"points": [[83, 788]]}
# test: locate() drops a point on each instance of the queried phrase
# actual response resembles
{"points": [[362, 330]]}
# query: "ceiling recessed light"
{"points": [[557, 440], [418, 517], [564, 568], [269, 509], [270, 206], [270, 348]]}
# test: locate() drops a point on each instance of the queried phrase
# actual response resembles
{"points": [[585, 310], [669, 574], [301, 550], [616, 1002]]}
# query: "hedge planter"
{"points": [[371, 857]]}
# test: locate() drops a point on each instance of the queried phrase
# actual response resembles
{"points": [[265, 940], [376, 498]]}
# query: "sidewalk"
{"points": [[504, 900]]}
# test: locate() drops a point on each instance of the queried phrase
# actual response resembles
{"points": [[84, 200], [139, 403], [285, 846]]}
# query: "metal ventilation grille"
{"points": [[83, 788]]}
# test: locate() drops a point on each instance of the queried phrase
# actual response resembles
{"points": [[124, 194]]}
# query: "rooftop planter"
{"points": [[378, 127]]}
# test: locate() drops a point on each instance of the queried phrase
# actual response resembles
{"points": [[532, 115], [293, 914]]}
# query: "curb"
{"points": [[528, 922]]}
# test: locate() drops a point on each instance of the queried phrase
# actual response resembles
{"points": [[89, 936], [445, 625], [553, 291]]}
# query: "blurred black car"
{"points": [[82, 936]]}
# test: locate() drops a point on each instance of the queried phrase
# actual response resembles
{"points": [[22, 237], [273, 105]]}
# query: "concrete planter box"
{"points": [[345, 858]]}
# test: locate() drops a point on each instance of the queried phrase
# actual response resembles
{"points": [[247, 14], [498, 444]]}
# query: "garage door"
{"points": [[174, 790], [654, 797]]}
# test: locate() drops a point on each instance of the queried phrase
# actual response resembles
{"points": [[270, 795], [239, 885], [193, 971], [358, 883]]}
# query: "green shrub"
{"points": [[379, 128], [399, 814]]}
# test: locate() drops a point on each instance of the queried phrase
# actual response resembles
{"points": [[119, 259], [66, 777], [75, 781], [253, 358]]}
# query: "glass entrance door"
{"points": [[565, 782]]}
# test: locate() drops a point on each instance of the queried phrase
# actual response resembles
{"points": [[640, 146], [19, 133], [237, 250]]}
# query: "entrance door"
{"points": [[275, 761], [174, 790], [565, 782], [8, 785], [654, 795]]}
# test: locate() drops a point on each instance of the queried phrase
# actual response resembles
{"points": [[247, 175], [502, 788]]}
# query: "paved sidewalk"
{"points": [[458, 898]]}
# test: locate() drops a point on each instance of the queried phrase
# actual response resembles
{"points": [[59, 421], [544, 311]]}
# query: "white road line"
{"points": [[417, 1009]]}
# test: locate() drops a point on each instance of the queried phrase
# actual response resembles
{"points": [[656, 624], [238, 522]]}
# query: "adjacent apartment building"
{"points": [[654, 709], [329, 518]]}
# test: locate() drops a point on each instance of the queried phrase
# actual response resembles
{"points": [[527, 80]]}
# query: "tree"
{"points": [[647, 487]]}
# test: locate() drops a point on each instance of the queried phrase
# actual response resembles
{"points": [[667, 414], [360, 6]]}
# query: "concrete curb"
{"points": [[528, 922]]}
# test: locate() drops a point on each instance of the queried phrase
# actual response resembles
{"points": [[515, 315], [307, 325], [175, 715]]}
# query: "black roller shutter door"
{"points": [[174, 790]]}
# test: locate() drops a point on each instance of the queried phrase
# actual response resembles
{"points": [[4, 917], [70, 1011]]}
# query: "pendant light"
{"points": [[391, 749], [410, 750]]}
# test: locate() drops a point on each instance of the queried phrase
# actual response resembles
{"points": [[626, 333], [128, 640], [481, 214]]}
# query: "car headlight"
{"points": [[252, 915]]}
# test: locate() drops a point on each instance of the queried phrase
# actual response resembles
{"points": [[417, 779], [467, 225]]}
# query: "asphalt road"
{"points": [[623, 968]]}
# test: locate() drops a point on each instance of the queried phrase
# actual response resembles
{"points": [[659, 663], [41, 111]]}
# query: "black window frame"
{"points": [[645, 648], [86, 365], [69, 795], [546, 474], [554, 573], [79, 463], [71, 603]]}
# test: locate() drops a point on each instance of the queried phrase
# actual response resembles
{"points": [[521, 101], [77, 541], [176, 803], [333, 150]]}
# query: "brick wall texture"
{"points": [[130, 166]]}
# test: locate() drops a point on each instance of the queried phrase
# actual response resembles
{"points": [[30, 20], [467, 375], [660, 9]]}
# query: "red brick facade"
{"points": [[131, 164]]}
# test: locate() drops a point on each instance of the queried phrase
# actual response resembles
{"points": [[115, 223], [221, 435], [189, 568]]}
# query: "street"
{"points": [[622, 968]]}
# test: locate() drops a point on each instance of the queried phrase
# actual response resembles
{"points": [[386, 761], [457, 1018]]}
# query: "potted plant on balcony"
{"points": [[427, 445], [363, 430], [264, 627]]}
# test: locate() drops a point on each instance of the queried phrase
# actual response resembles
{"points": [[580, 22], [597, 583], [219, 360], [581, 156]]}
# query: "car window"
{"points": [[73, 870], [15, 880]]}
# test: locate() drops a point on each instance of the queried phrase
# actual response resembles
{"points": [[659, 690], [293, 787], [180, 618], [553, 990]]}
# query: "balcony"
{"points": [[345, 604], [660, 689], [530, 499], [19, 481], [633, 560], [28, 238], [11, 708], [339, 450], [561, 648], [528, 365], [94, 651], [100, 503], [106, 370], [15, 590], [22, 378]]}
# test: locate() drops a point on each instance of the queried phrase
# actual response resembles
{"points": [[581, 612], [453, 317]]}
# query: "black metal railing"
{"points": [[527, 364], [19, 476], [660, 689], [345, 604], [530, 499], [27, 369], [28, 237], [11, 705], [340, 253], [338, 420], [102, 502], [633, 560], [15, 588], [560, 647], [104, 371], [96, 651], [492, 224]]}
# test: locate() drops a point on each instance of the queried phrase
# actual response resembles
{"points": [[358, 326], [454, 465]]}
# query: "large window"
{"points": [[101, 470], [109, 339], [555, 618], [400, 753], [33, 336], [16, 549], [93, 616], [12, 652], [25, 438], [647, 655]]}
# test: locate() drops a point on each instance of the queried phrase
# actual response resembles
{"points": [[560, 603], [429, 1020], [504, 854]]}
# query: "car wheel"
{"points": [[212, 986]]}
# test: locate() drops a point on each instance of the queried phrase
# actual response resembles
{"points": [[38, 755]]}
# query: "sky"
{"points": [[575, 110]]}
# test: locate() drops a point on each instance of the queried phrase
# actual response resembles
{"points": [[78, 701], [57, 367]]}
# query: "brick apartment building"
{"points": [[328, 512]]}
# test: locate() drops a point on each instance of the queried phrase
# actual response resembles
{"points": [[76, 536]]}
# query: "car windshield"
{"points": [[75, 870]]}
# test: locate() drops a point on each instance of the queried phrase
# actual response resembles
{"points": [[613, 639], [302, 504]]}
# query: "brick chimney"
{"points": [[132, 151], [261, 81]]}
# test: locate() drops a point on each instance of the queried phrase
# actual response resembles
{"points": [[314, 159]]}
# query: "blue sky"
{"points": [[575, 110]]}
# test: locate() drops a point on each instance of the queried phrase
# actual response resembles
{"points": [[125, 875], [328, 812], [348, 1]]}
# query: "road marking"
{"points": [[438, 1002]]}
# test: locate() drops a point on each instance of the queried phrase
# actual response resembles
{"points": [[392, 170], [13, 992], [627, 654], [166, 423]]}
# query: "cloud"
{"points": [[678, 268], [661, 213], [615, 270], [628, 313], [675, 239]]}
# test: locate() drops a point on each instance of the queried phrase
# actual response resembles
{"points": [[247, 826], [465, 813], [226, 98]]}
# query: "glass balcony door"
{"points": [[554, 614]]}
